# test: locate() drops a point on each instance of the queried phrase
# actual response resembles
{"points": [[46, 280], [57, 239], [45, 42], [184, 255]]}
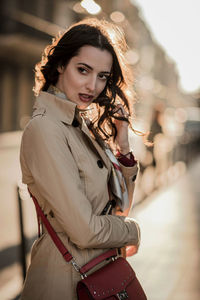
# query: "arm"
{"points": [[129, 167], [128, 164], [46, 154]]}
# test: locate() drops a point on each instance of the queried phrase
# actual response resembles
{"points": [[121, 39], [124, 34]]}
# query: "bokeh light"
{"points": [[91, 6], [117, 17]]}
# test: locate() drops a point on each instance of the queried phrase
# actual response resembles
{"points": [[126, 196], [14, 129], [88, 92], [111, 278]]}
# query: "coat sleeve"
{"points": [[130, 174], [45, 155]]}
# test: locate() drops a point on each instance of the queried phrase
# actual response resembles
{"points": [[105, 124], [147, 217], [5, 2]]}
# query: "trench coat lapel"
{"points": [[97, 147]]}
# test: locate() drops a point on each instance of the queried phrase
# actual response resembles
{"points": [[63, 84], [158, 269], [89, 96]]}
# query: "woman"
{"points": [[81, 113]]}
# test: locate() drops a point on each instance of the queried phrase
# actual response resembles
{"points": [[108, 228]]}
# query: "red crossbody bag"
{"points": [[115, 280]]}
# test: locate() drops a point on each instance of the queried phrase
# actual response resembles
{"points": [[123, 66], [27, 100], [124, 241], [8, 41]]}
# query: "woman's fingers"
{"points": [[119, 109], [131, 250]]}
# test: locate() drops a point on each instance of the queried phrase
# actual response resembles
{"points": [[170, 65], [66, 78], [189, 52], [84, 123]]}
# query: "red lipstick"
{"points": [[85, 97]]}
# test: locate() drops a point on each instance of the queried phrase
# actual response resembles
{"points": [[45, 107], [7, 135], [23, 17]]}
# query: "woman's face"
{"points": [[85, 76]]}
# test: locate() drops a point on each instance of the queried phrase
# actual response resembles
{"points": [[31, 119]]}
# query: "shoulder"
{"points": [[41, 127]]}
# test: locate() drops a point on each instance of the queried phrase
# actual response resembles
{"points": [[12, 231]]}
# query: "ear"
{"points": [[60, 69]]}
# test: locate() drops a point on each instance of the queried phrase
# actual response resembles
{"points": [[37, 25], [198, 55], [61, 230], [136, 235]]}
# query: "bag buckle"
{"points": [[122, 295], [75, 265], [114, 258], [83, 276], [77, 268]]}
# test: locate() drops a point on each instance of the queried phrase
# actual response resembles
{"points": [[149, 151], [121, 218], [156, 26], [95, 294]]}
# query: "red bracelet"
{"points": [[124, 160], [119, 154]]}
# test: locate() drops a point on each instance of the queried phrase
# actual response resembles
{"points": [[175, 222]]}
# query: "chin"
{"points": [[83, 106]]}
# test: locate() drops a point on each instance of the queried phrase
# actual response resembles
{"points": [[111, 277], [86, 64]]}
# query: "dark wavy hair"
{"points": [[119, 88]]}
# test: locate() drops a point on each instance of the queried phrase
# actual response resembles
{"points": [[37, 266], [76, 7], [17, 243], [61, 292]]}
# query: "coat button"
{"points": [[75, 123], [134, 178], [100, 163]]}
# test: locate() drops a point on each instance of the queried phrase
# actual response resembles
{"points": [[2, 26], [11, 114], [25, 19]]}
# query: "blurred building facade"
{"points": [[28, 26]]}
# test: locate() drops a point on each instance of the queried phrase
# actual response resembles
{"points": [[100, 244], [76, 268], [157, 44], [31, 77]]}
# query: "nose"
{"points": [[91, 84]]}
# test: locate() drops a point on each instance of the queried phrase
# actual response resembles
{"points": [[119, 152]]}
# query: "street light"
{"points": [[91, 6]]}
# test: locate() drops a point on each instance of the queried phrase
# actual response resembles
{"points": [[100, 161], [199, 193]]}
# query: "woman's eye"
{"points": [[82, 70], [103, 76]]}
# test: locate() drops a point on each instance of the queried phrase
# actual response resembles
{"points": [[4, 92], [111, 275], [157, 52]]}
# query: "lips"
{"points": [[85, 97]]}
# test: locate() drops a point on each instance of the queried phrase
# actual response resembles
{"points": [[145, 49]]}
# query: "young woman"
{"points": [[81, 117]]}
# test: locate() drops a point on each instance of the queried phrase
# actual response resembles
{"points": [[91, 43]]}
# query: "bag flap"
{"points": [[110, 279]]}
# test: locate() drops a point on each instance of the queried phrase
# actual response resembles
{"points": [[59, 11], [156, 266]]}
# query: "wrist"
{"points": [[126, 159], [123, 150]]}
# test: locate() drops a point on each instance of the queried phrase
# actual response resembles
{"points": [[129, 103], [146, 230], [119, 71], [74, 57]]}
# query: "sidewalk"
{"points": [[168, 262]]}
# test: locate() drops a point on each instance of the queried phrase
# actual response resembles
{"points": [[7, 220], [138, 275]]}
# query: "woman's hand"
{"points": [[122, 131], [128, 251], [131, 250]]}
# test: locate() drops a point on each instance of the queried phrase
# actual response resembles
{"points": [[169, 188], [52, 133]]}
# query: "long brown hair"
{"points": [[119, 87]]}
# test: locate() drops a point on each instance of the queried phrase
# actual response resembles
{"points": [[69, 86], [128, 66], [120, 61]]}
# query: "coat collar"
{"points": [[65, 111], [59, 108]]}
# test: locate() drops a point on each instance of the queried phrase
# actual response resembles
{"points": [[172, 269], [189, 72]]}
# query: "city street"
{"points": [[168, 261]]}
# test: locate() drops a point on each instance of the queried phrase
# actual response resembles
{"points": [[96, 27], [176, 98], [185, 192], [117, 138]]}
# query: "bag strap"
{"points": [[59, 244], [97, 260], [63, 250]]}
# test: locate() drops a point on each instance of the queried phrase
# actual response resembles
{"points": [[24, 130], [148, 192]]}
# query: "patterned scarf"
{"points": [[117, 182]]}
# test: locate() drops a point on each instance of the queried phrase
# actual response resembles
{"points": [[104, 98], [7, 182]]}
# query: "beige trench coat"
{"points": [[67, 171]]}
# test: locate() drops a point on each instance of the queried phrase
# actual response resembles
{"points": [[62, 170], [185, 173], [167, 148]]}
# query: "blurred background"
{"points": [[167, 202]]}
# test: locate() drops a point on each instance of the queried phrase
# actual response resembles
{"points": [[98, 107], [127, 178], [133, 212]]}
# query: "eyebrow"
{"points": [[89, 67]]}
